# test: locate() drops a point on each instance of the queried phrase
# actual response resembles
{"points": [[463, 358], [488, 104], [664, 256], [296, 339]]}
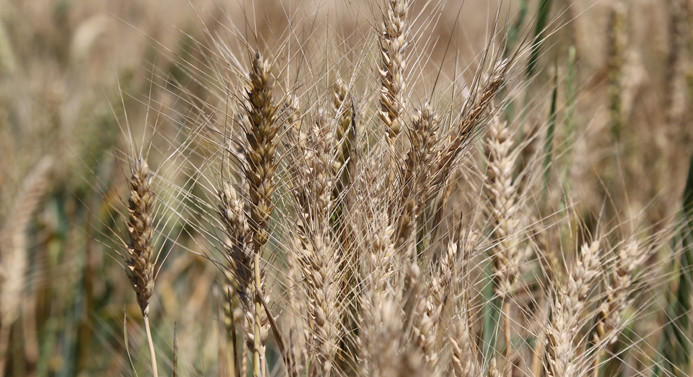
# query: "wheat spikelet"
{"points": [[442, 289], [346, 147], [321, 290], [384, 350], [462, 356], [493, 369], [379, 319]]}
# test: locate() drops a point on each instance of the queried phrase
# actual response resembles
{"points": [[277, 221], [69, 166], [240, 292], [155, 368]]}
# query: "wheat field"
{"points": [[346, 188]]}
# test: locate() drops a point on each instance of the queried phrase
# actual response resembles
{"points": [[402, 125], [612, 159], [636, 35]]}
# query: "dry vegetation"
{"points": [[346, 188]]}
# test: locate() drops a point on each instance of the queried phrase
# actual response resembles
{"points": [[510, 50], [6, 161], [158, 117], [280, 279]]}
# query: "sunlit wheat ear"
{"points": [[140, 256], [569, 302]]}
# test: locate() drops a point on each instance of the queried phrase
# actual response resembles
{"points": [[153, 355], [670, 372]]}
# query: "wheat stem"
{"points": [[152, 352], [506, 331], [256, 323]]}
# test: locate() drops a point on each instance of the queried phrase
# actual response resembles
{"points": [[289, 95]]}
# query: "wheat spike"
{"points": [[140, 255], [568, 308]]}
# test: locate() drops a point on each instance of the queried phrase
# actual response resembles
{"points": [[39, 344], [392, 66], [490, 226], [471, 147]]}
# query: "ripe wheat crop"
{"points": [[381, 194]]}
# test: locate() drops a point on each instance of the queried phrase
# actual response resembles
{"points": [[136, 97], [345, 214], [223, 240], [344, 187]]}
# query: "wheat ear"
{"points": [[463, 358], [416, 172], [343, 105], [13, 252], [568, 307], [140, 251], [675, 106], [317, 258], [475, 113], [344, 168], [618, 287], [503, 207], [239, 258], [616, 46], [262, 140], [393, 44]]}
